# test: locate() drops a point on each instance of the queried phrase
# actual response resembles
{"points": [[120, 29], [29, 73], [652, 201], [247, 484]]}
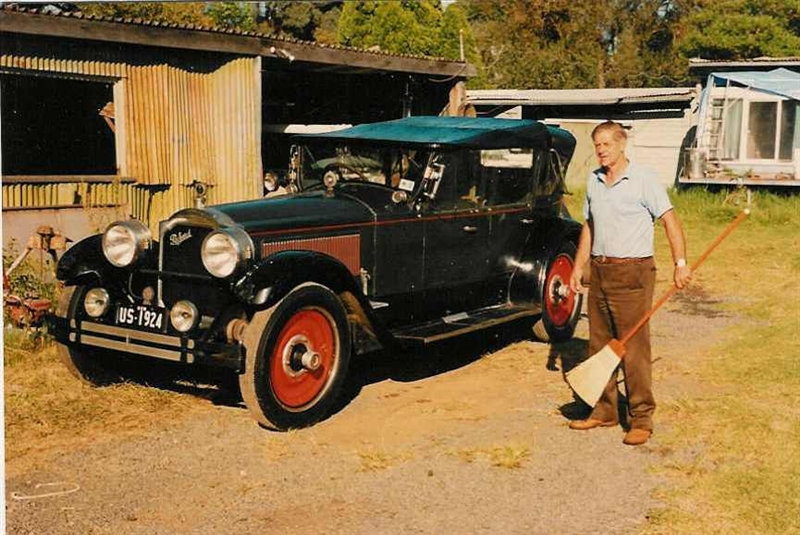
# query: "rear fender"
{"points": [[527, 282]]}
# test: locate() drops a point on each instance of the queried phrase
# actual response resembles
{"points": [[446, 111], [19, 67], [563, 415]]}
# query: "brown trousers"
{"points": [[619, 295]]}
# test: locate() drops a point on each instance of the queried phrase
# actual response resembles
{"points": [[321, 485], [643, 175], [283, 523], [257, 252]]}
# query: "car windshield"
{"points": [[393, 167]]}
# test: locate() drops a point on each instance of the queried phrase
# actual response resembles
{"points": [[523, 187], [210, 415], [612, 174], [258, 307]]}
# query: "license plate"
{"points": [[142, 317]]}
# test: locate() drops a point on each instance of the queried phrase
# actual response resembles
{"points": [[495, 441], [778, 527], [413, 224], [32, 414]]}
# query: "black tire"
{"points": [[91, 368], [280, 393], [560, 313]]}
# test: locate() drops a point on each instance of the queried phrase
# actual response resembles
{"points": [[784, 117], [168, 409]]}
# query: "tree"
{"points": [[406, 27], [739, 29], [455, 28], [310, 21], [174, 12], [579, 43]]}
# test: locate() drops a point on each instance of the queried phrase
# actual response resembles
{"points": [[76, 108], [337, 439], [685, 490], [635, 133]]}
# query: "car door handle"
{"points": [[526, 221], [469, 229]]}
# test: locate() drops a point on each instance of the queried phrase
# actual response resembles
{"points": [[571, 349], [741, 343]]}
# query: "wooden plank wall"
{"points": [[175, 127]]}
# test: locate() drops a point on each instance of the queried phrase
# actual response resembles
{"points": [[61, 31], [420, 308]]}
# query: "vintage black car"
{"points": [[396, 233]]}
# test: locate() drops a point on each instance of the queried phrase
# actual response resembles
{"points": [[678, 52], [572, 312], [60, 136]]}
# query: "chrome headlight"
{"points": [[125, 241], [96, 302], [224, 251], [183, 316]]}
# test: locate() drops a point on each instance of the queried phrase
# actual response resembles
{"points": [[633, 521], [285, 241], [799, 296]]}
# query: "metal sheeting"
{"points": [[183, 127], [64, 66], [64, 194], [175, 126]]}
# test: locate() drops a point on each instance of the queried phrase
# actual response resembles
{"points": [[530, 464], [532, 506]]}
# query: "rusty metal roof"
{"points": [[580, 97], [382, 59]]}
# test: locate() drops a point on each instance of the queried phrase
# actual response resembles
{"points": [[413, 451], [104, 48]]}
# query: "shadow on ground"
{"points": [[407, 366]]}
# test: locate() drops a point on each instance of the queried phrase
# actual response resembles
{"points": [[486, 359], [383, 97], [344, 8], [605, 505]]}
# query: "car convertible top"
{"points": [[453, 132]]}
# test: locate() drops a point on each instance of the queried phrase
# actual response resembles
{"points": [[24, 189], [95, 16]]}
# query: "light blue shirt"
{"points": [[623, 215]]}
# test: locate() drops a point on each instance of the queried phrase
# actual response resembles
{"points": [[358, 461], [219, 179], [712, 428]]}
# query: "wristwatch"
{"points": [[681, 262]]}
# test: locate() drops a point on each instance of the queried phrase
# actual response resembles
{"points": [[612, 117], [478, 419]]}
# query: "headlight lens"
{"points": [[96, 302], [183, 316], [224, 250], [125, 241]]}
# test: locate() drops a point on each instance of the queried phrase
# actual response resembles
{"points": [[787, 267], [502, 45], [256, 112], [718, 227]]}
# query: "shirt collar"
{"points": [[600, 173]]}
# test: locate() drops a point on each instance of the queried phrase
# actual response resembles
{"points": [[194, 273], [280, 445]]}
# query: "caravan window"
{"points": [[771, 130]]}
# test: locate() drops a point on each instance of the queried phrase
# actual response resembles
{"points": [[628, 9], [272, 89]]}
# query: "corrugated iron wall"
{"points": [[64, 194], [183, 127], [175, 127], [64, 66]]}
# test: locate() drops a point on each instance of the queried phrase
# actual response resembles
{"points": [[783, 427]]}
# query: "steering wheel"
{"points": [[346, 167]]}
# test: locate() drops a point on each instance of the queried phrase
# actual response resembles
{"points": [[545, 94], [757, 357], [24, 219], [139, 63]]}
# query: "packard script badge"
{"points": [[180, 237]]}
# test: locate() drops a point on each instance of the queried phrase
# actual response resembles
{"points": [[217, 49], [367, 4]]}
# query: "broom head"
{"points": [[590, 377]]}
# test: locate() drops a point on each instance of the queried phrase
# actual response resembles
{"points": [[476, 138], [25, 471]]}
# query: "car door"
{"points": [[510, 177], [456, 228]]}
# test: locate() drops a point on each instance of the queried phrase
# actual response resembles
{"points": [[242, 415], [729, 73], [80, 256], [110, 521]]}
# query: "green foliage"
{"points": [[310, 21], [546, 44], [175, 12], [33, 277], [578, 43], [408, 27], [737, 29], [237, 15]]}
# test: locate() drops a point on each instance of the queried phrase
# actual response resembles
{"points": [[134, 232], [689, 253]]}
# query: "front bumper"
{"points": [[162, 346]]}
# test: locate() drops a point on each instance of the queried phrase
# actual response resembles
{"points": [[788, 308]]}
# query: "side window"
{"points": [[508, 174], [550, 173], [460, 187]]}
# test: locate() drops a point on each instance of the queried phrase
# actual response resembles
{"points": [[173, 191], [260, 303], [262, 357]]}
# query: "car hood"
{"points": [[295, 212]]}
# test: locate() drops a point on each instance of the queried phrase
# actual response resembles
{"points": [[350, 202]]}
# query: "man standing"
{"points": [[623, 200]]}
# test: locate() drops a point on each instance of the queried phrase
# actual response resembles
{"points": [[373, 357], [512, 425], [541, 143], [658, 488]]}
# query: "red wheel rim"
{"points": [[559, 306], [309, 330]]}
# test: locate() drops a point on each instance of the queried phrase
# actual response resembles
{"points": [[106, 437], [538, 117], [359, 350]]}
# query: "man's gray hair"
{"points": [[610, 126]]}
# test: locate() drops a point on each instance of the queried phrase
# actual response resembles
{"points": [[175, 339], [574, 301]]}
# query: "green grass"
{"points": [[744, 429], [746, 424]]}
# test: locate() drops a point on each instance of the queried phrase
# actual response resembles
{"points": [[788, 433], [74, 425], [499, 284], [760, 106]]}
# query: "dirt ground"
{"points": [[467, 437]]}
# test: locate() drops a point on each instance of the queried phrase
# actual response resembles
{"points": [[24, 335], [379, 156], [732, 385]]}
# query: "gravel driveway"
{"points": [[468, 437]]}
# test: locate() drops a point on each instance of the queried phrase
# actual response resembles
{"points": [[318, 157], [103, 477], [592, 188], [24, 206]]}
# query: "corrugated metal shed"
{"points": [[187, 103]]}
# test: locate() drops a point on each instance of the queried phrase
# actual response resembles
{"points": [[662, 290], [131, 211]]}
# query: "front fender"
{"points": [[85, 261], [270, 280], [274, 277], [527, 282]]}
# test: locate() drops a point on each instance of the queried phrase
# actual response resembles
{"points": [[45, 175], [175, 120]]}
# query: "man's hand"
{"points": [[681, 277], [575, 283]]}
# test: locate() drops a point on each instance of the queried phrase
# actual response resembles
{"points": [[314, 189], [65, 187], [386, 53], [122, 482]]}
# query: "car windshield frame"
{"points": [[393, 167]]}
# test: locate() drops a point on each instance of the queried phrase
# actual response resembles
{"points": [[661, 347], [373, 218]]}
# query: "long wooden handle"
{"points": [[669, 293]]}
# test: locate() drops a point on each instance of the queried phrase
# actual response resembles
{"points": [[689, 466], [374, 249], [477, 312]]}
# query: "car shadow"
{"points": [[448, 355], [221, 387]]}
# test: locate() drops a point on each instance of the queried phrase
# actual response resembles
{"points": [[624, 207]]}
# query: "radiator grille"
{"points": [[346, 249]]}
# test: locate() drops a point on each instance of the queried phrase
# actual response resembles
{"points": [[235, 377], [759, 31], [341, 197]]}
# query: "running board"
{"points": [[461, 323]]}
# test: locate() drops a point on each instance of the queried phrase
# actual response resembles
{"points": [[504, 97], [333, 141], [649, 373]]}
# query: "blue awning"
{"points": [[782, 82]]}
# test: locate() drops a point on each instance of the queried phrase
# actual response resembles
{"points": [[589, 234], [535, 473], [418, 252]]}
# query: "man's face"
{"points": [[609, 149]]}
